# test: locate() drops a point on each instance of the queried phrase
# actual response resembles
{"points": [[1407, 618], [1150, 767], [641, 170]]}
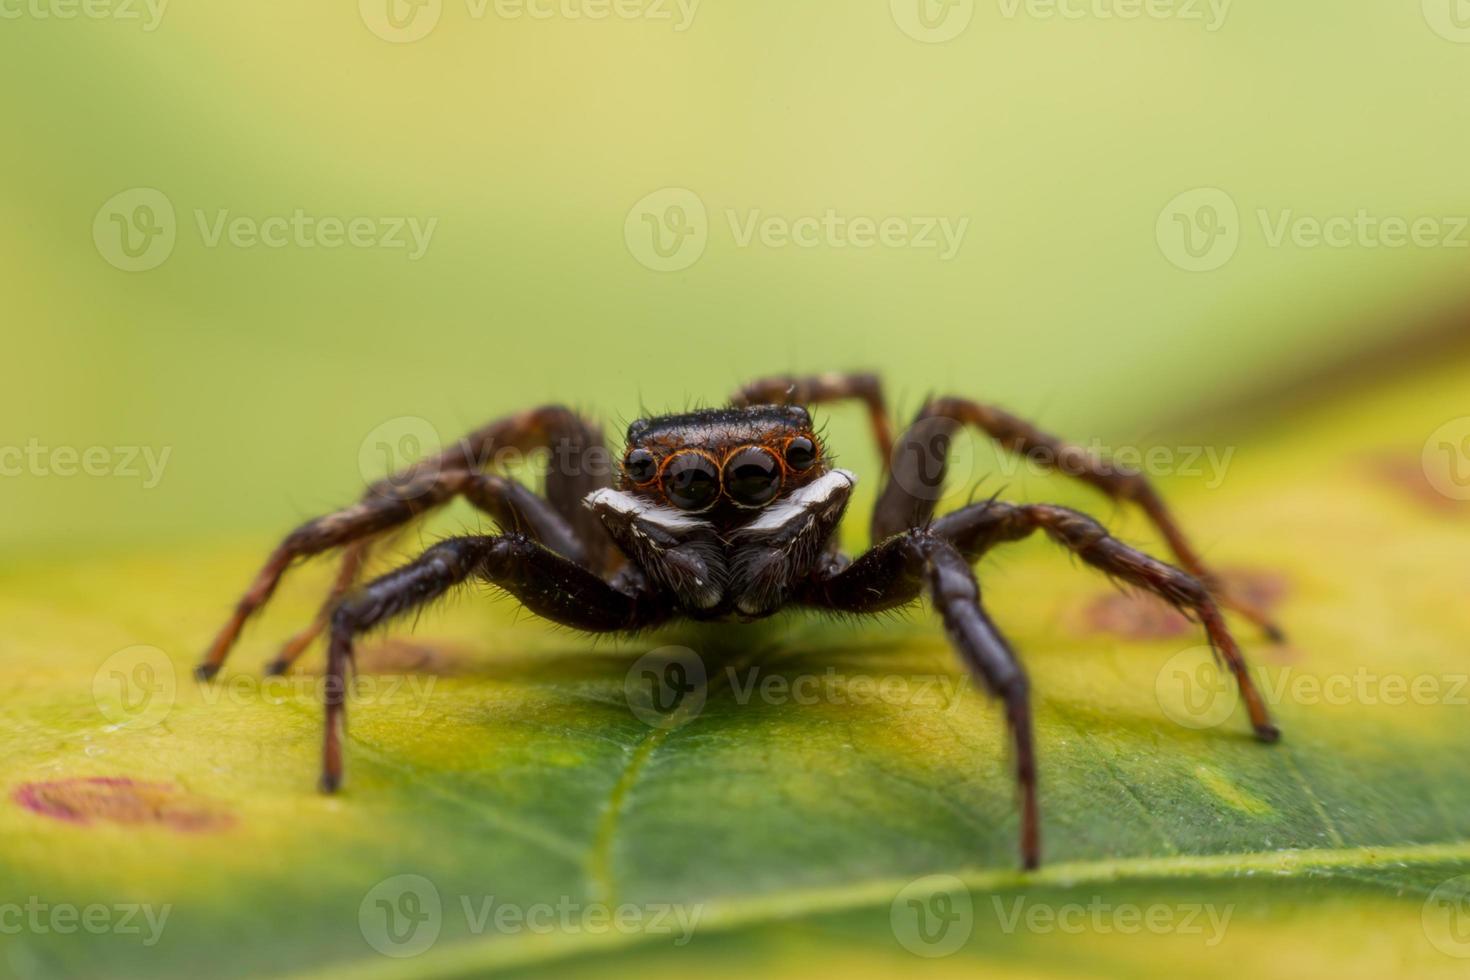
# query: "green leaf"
{"points": [[493, 759]]}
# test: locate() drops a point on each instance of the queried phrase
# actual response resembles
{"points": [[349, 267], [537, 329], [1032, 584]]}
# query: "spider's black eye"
{"points": [[752, 476], [640, 466], [691, 481], [801, 453]]}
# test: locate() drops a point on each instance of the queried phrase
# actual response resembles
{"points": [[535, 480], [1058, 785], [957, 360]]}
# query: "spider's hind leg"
{"points": [[919, 464]]}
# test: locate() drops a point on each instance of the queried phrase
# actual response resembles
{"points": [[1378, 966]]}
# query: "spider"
{"points": [[731, 514]]}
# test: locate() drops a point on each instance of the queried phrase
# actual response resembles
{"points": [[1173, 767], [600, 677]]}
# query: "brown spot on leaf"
{"points": [[119, 800], [1138, 615], [1404, 472]]}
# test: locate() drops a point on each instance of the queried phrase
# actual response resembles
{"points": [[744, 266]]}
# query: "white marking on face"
{"points": [[639, 509], [809, 498]]}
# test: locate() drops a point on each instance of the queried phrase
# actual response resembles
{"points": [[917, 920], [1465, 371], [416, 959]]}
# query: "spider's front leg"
{"points": [[976, 529], [545, 583], [559, 521], [893, 574]]}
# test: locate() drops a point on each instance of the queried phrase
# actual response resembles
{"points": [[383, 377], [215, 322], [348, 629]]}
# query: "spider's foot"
{"points": [[206, 672], [277, 667], [330, 782], [1268, 733]]}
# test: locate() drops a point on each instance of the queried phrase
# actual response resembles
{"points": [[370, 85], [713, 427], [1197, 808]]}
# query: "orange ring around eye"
{"points": [[685, 453]]}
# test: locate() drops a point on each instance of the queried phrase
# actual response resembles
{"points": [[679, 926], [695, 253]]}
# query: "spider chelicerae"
{"points": [[732, 513]]}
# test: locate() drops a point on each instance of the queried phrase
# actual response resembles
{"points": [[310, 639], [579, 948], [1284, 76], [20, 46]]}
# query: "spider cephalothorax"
{"points": [[722, 462], [732, 513]]}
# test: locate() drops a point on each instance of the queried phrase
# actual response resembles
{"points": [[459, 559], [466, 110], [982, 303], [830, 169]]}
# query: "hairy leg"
{"points": [[894, 573], [914, 488], [390, 505], [546, 583], [976, 529]]}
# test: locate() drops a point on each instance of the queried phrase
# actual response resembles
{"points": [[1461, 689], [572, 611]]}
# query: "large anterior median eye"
{"points": [[752, 476], [691, 481]]}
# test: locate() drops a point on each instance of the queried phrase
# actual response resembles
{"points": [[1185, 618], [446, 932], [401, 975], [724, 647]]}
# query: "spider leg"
{"points": [[977, 528], [354, 557], [911, 494], [389, 505], [819, 388], [546, 583], [894, 573]]}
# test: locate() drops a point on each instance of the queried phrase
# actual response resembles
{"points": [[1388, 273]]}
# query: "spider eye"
{"points": [[691, 481], [801, 453], [752, 476], [640, 466]]}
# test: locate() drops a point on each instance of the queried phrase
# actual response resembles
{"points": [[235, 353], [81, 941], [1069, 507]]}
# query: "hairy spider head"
{"points": [[725, 460]]}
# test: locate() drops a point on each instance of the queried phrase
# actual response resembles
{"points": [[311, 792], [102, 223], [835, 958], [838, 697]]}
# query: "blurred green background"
{"points": [[1060, 141], [1140, 200]]}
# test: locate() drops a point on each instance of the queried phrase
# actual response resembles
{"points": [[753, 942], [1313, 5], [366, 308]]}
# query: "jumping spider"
{"points": [[731, 514]]}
